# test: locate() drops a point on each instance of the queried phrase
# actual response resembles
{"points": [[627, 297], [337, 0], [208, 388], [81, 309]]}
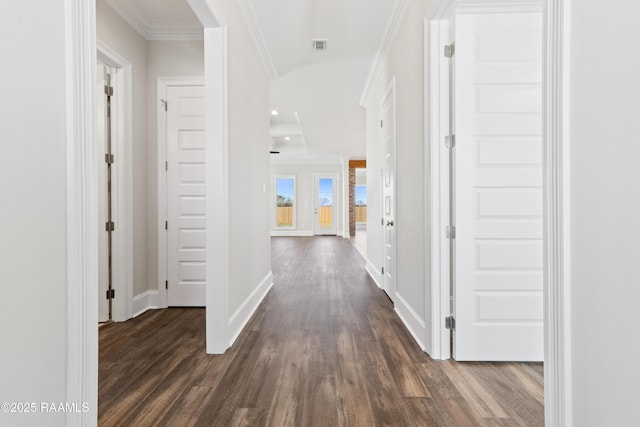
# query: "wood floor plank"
{"points": [[325, 348]]}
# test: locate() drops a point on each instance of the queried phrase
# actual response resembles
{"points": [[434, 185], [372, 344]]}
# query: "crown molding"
{"points": [[397, 12], [251, 18], [155, 32]]}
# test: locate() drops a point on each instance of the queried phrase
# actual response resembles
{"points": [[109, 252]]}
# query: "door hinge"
{"points": [[166, 166], [449, 50], [108, 90], [381, 123], [166, 225], [451, 232], [110, 226], [109, 159], [164, 104], [382, 270], [111, 293], [166, 284], [381, 221], [450, 322], [450, 141]]}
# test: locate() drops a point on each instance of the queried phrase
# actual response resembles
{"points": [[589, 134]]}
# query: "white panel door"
{"points": [[498, 188], [388, 139], [325, 205], [185, 196]]}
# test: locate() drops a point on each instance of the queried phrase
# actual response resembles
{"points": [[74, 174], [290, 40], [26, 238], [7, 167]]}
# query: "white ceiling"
{"points": [[318, 92], [160, 19], [352, 27]]}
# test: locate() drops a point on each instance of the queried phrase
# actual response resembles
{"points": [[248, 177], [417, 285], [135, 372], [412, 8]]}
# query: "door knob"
{"points": [[389, 223]]}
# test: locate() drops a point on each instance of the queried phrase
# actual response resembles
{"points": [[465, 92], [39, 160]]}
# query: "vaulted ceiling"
{"points": [[316, 93]]}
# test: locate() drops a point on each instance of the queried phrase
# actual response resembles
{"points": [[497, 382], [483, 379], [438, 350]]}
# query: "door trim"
{"points": [[122, 176], [163, 84], [557, 218], [82, 211], [437, 184], [556, 194], [336, 201]]}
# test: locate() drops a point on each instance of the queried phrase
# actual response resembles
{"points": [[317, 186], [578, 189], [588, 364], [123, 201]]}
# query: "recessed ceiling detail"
{"points": [[286, 130], [160, 20]]}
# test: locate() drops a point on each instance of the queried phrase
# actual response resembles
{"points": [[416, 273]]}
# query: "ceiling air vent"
{"points": [[319, 44]]}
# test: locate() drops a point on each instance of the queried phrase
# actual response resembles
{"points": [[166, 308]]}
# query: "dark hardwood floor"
{"points": [[324, 349]]}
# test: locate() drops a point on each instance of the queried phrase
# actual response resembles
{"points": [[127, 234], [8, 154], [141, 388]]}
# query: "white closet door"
{"points": [[186, 196], [498, 187]]}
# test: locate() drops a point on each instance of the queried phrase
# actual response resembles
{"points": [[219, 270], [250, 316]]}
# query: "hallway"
{"points": [[325, 348]]}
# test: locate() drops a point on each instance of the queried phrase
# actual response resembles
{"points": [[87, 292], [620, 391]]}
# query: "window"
{"points": [[361, 203], [285, 201]]}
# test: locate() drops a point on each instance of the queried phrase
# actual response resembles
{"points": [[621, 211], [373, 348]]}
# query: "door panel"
{"points": [[325, 205], [388, 139], [186, 196], [498, 188]]}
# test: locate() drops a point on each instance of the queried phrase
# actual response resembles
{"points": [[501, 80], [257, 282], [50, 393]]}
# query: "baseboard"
{"points": [[373, 273], [241, 316], [145, 301], [291, 233], [412, 321]]}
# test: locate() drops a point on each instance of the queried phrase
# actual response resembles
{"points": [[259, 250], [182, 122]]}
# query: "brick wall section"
{"points": [[352, 201]]}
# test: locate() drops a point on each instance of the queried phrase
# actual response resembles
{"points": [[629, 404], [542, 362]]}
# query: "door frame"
{"points": [[336, 201], [122, 172], [160, 298], [390, 91], [556, 167]]}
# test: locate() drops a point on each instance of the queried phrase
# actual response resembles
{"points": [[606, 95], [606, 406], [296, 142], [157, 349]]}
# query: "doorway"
{"points": [[325, 207], [182, 219], [104, 150], [114, 190]]}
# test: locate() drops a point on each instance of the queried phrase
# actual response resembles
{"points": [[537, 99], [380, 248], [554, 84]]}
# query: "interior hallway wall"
{"points": [[605, 212], [404, 62], [249, 162], [33, 209]]}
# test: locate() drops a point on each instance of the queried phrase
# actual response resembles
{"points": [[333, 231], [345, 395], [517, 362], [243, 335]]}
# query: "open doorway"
{"points": [[114, 133]]}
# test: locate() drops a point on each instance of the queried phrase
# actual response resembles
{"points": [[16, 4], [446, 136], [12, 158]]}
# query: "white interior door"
{"points": [[388, 140], [101, 149], [325, 211], [498, 188], [185, 196]]}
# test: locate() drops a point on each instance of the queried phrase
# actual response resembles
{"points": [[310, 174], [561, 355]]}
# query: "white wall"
{"points": [[118, 35], [33, 209], [164, 59], [405, 63], [305, 184], [605, 219], [249, 143]]}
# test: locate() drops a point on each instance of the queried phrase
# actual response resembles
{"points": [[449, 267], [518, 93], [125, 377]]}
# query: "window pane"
{"points": [[325, 199], [361, 203], [284, 202]]}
